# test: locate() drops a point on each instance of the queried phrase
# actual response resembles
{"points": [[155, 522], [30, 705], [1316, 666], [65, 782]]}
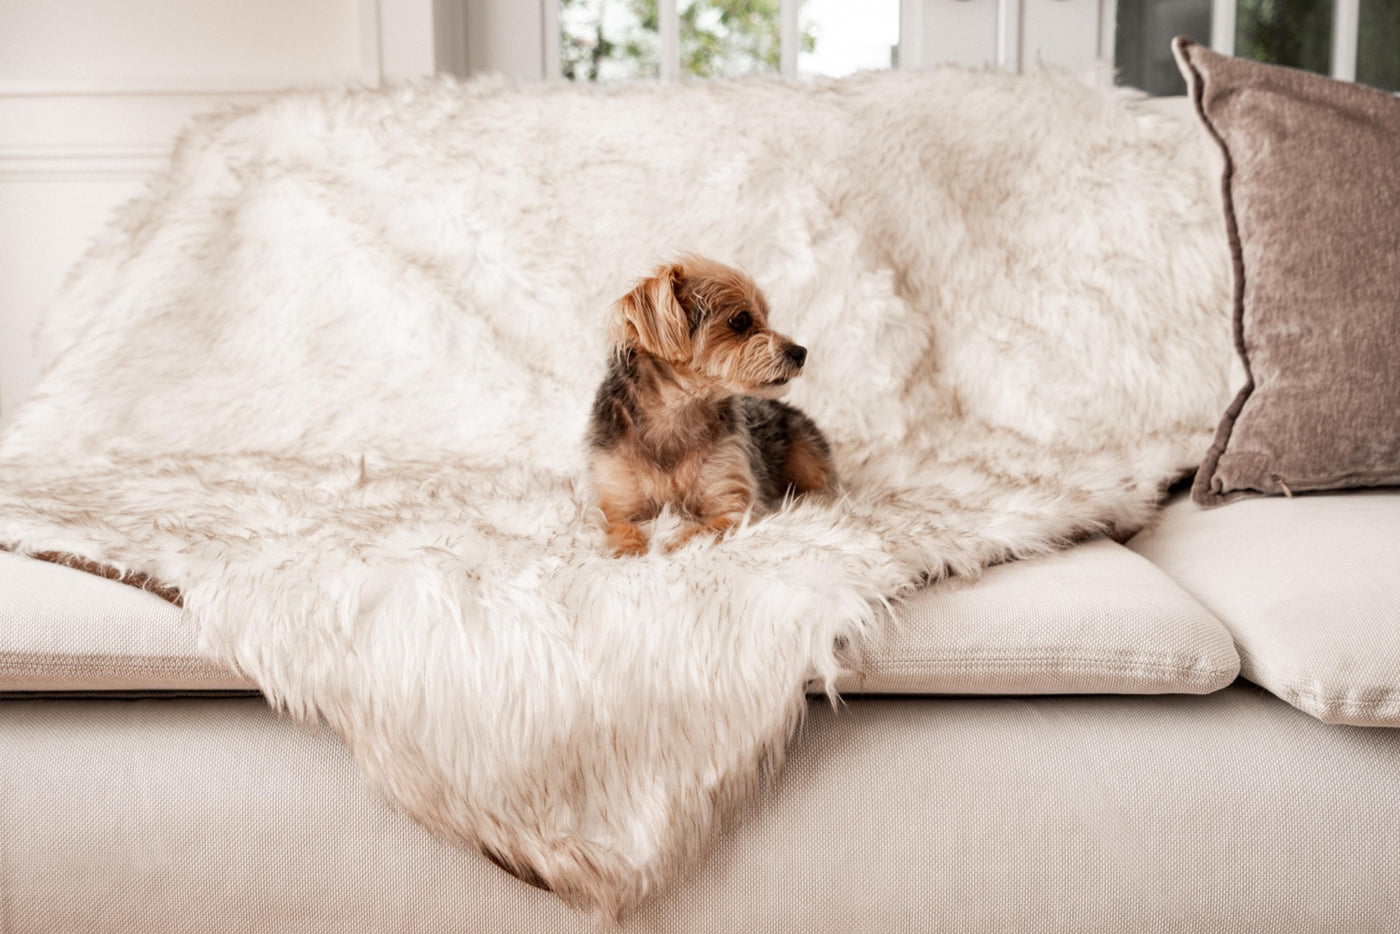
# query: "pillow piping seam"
{"points": [[1201, 487]]}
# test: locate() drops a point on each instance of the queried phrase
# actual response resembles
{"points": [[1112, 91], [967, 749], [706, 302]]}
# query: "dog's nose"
{"points": [[797, 354]]}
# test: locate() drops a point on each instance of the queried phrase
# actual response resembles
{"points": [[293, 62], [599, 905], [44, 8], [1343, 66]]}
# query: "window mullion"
{"points": [[1009, 35], [789, 36], [669, 23], [911, 33], [1346, 26], [1108, 25], [551, 46], [1222, 26]]}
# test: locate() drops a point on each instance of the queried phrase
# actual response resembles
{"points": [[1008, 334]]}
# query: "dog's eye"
{"points": [[740, 323]]}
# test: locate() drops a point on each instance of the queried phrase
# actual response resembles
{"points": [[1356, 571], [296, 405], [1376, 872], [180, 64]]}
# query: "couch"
{"points": [[1209, 747], [145, 790]]}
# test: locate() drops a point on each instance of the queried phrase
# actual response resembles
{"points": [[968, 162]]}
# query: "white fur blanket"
{"points": [[330, 377]]}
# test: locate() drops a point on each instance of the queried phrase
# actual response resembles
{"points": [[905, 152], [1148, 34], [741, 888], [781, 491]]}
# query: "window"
{"points": [[1354, 40], [840, 37], [612, 40], [1378, 44]]}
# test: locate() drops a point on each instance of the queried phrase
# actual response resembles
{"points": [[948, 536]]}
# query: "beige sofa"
{"points": [[142, 789]]}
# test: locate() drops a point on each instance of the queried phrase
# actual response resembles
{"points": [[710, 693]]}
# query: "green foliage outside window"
{"points": [[1297, 33], [722, 38], [718, 38], [589, 43], [1378, 48]]}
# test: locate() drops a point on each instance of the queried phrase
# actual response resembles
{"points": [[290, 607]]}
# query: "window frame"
{"points": [[1009, 43]]}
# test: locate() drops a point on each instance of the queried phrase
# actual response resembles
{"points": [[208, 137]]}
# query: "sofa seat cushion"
{"points": [[65, 630], [1093, 619], [1310, 588]]}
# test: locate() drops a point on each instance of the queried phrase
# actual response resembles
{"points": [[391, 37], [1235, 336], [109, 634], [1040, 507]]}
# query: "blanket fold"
{"points": [[329, 378]]}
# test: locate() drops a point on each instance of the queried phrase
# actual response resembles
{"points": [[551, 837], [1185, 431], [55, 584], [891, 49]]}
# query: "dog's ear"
{"points": [[650, 317]]}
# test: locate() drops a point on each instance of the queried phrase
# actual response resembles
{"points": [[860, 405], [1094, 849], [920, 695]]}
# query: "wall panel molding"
{"points": [[184, 87], [80, 163], [74, 47]]}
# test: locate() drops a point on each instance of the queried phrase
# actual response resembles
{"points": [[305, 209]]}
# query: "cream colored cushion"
{"points": [[1226, 813], [1093, 619], [65, 630], [1310, 588]]}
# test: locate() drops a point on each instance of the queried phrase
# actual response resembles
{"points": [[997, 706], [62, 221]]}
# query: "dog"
{"points": [[688, 415]]}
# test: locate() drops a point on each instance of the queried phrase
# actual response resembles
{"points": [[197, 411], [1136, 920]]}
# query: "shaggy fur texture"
{"points": [[331, 375]]}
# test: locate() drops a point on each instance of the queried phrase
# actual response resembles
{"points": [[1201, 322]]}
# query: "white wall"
{"points": [[92, 93]]}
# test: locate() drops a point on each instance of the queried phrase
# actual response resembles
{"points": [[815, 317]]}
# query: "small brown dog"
{"points": [[687, 414]]}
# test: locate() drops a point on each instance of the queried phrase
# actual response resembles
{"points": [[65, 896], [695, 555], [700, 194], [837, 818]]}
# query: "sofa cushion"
{"points": [[1312, 209], [1093, 619], [65, 630], [1310, 588]]}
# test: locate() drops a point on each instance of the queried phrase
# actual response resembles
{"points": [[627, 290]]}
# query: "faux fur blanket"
{"points": [[331, 374]]}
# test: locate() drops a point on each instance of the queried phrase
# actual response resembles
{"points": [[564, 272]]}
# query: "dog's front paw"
{"points": [[714, 530], [683, 539], [627, 541]]}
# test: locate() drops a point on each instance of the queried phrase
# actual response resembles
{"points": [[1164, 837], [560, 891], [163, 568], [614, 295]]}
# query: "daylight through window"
{"points": [[620, 40]]}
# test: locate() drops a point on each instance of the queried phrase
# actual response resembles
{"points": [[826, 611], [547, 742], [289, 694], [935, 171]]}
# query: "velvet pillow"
{"points": [[1312, 209]]}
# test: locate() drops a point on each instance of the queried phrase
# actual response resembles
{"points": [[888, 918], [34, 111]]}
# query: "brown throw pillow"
{"points": [[1312, 208]]}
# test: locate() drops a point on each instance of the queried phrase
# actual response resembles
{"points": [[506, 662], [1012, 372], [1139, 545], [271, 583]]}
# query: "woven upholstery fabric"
{"points": [[1312, 209], [1308, 586], [1093, 619], [64, 630], [1230, 812]]}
